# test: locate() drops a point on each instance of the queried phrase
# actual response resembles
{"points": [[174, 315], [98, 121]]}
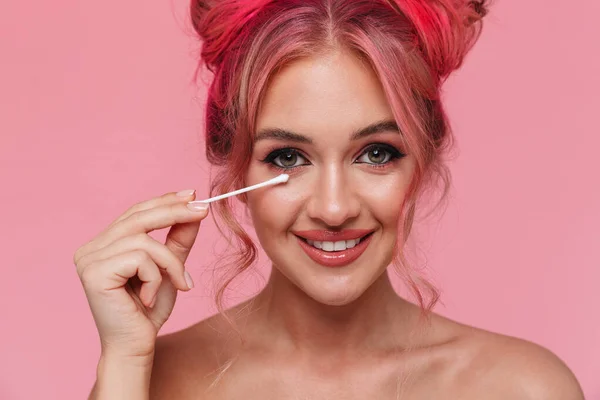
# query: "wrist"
{"points": [[123, 377], [141, 362]]}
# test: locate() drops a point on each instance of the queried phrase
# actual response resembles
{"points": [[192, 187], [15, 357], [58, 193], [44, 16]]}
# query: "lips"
{"points": [[334, 249], [333, 236]]}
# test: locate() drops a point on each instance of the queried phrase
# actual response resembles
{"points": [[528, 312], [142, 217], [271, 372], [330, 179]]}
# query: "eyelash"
{"points": [[394, 154]]}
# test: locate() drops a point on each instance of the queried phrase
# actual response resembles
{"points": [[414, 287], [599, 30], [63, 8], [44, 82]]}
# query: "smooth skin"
{"points": [[313, 332]]}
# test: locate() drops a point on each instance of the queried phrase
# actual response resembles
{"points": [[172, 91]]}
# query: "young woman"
{"points": [[342, 95]]}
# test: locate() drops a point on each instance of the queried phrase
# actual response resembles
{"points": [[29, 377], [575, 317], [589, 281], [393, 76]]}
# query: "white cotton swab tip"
{"points": [[283, 178]]}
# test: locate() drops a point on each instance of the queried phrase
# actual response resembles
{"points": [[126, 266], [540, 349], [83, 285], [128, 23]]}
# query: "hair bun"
{"points": [[218, 23], [448, 29]]}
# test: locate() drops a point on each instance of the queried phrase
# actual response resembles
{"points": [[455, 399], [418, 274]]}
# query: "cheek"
{"points": [[384, 195], [275, 208]]}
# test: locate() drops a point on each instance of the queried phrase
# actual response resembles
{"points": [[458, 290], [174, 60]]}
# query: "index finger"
{"points": [[167, 198], [148, 220]]}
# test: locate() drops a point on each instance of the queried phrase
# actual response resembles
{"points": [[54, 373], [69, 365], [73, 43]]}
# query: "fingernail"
{"points": [[197, 206], [186, 193], [188, 279]]}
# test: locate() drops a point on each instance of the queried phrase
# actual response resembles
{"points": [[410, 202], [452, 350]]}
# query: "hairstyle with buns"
{"points": [[412, 45]]}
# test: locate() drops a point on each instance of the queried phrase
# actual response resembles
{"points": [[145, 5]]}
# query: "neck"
{"points": [[375, 320]]}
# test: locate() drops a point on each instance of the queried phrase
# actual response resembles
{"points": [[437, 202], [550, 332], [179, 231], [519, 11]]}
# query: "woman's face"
{"points": [[332, 227]]}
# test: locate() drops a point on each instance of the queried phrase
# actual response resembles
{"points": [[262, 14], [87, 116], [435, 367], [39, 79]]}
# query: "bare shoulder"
{"points": [[186, 362], [515, 368]]}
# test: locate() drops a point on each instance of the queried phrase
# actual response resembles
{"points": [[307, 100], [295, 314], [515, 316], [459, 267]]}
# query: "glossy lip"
{"points": [[335, 258], [333, 236]]}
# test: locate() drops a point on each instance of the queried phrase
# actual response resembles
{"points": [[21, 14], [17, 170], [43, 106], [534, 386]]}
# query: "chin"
{"points": [[336, 292]]}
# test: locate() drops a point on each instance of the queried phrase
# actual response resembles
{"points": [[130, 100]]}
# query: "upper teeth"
{"points": [[334, 246]]}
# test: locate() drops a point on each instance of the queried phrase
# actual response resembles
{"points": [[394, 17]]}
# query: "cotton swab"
{"points": [[277, 180]]}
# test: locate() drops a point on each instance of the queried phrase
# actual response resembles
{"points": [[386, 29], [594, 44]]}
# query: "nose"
{"points": [[333, 200]]}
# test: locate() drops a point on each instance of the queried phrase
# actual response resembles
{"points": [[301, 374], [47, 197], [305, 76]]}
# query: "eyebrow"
{"points": [[285, 135]]}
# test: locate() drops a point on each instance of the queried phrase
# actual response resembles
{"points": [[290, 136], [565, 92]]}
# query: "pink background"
{"points": [[98, 113]]}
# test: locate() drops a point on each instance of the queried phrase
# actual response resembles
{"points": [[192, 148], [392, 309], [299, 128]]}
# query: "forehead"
{"points": [[333, 92]]}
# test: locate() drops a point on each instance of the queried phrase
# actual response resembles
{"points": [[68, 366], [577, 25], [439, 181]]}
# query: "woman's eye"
{"points": [[286, 158], [379, 154]]}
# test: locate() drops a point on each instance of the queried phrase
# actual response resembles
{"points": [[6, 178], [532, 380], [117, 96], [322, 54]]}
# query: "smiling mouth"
{"points": [[332, 247]]}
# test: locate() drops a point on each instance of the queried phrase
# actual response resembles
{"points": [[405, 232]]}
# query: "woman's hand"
{"points": [[131, 280]]}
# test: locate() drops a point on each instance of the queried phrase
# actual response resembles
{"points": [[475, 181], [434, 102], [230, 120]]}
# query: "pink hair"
{"points": [[412, 45]]}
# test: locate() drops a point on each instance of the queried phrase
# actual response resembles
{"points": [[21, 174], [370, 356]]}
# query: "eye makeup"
{"points": [[376, 155], [370, 154], [285, 158]]}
